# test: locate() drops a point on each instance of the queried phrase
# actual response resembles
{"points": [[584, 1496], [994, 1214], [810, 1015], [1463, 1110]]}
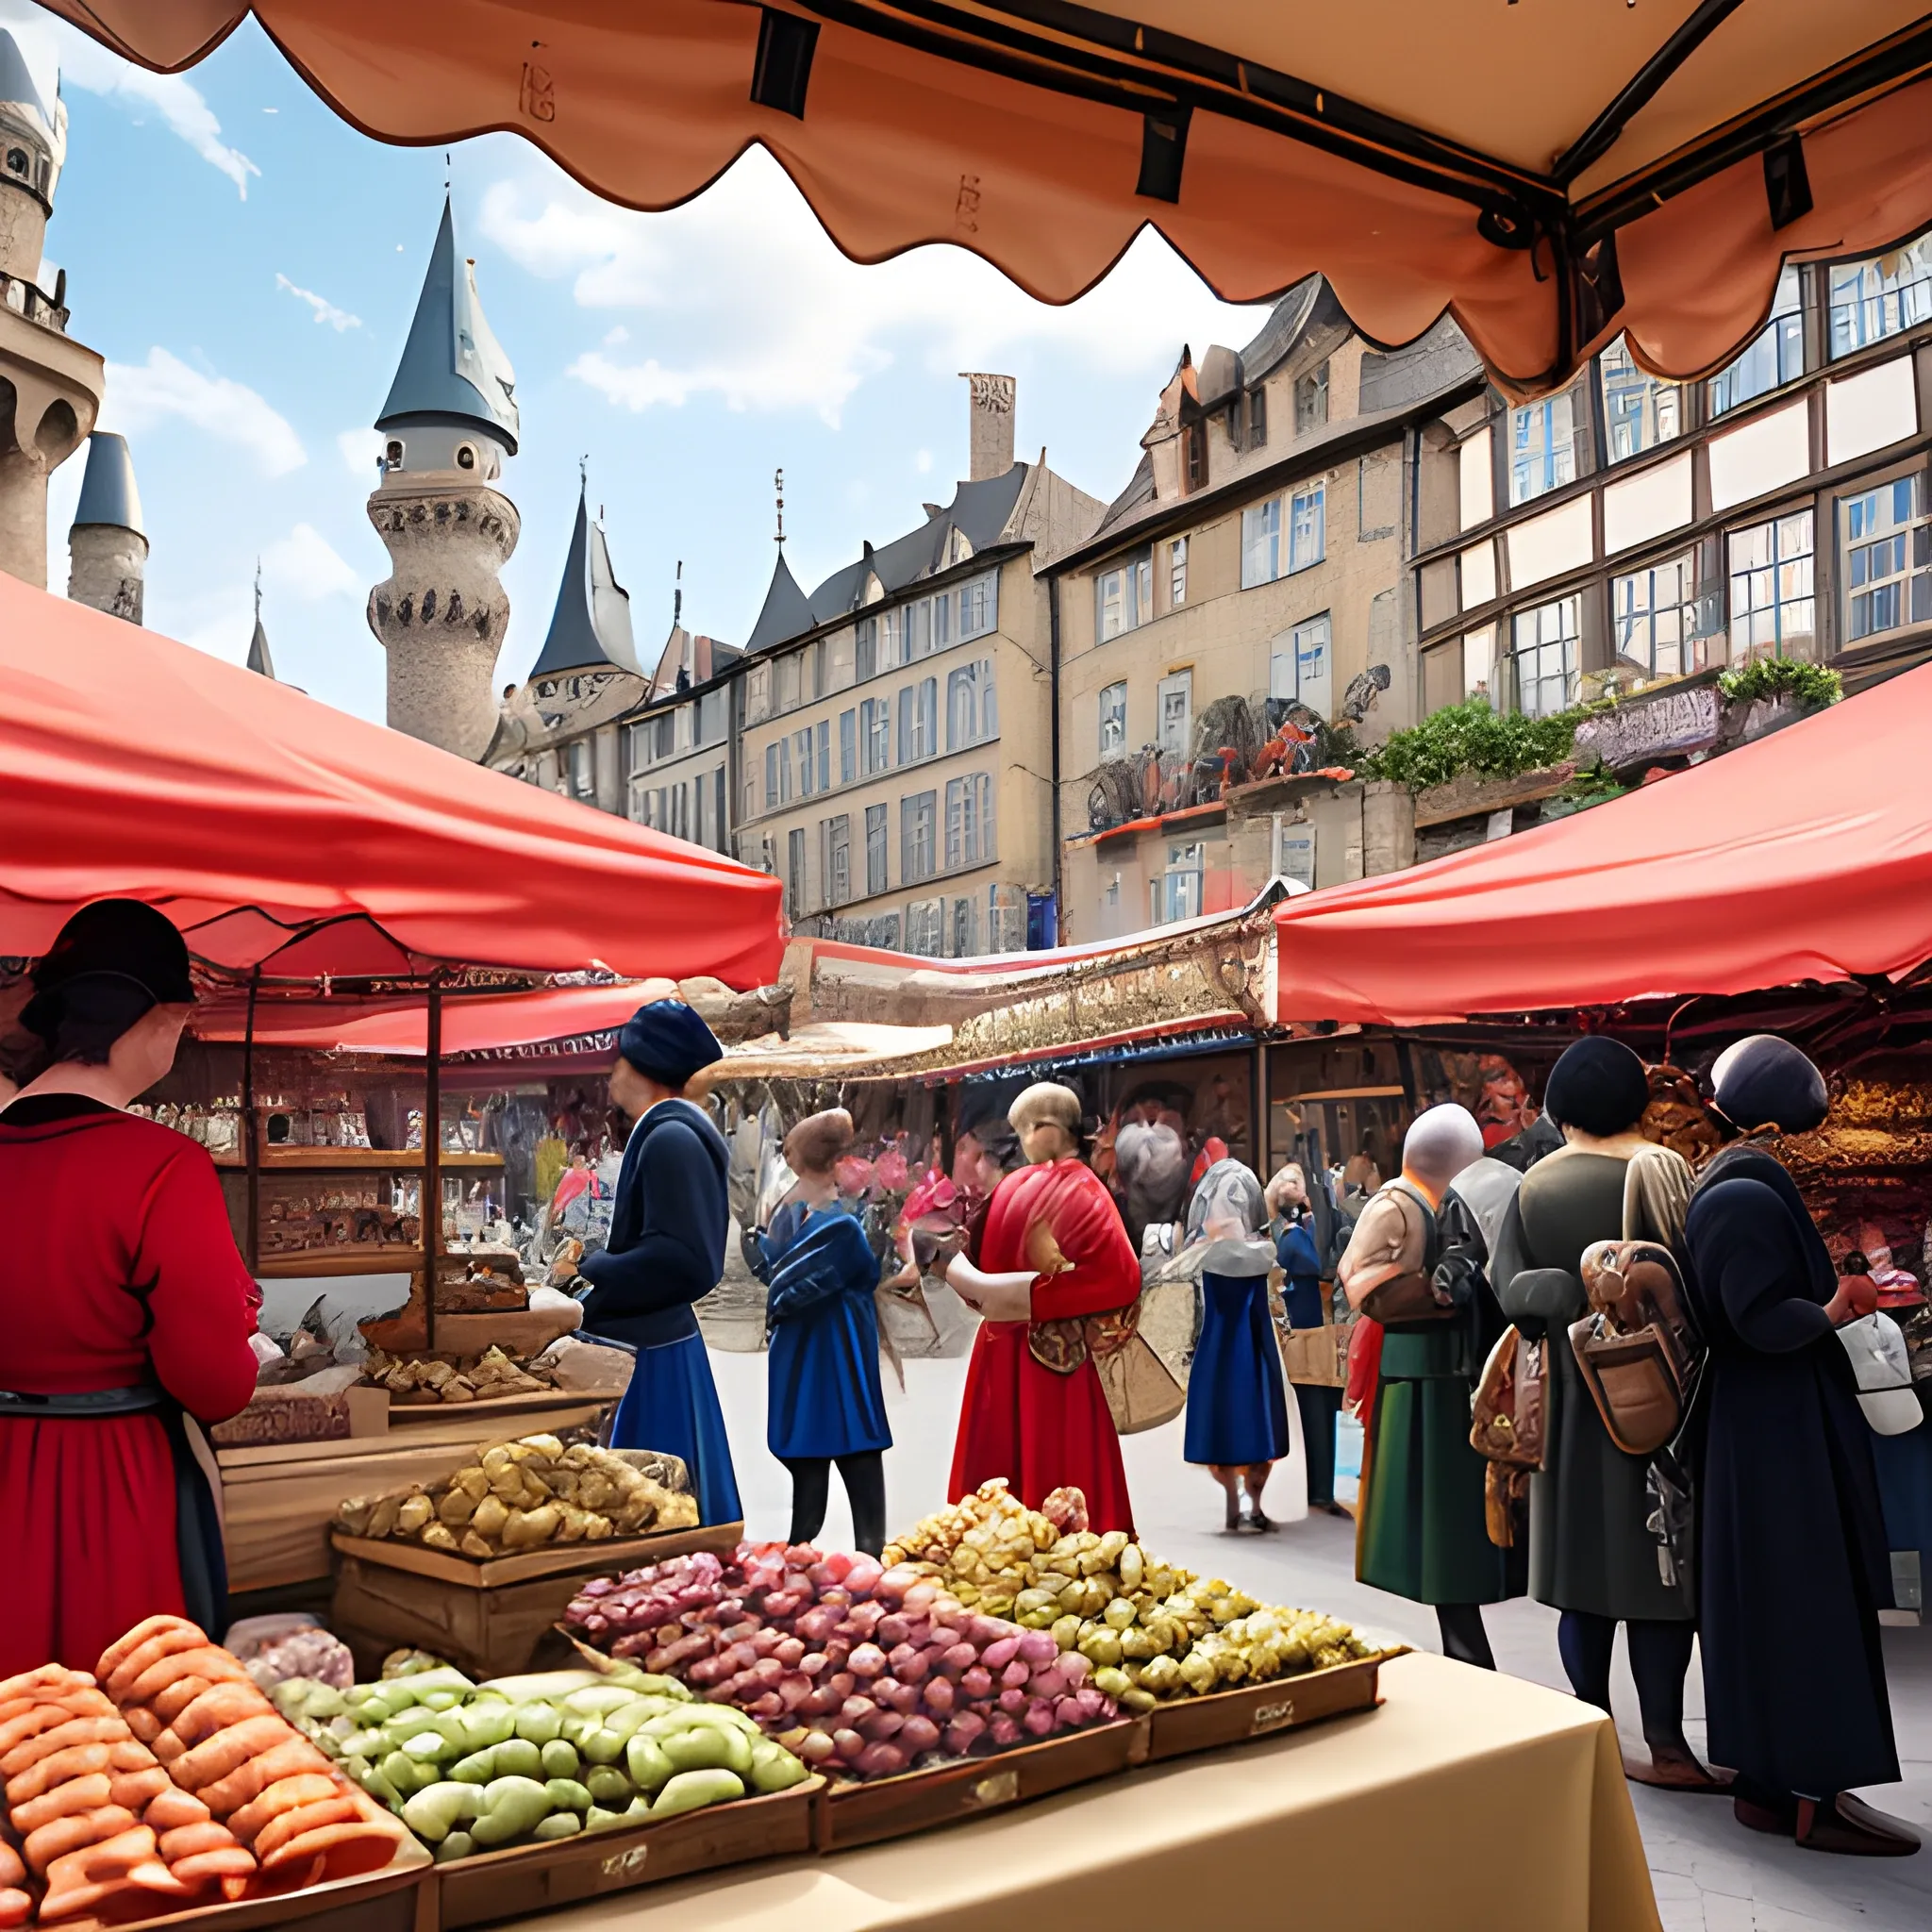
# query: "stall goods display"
{"points": [[165, 1780], [273, 1649], [1151, 1630], [429, 1378], [529, 1760], [528, 1494], [863, 1672]]}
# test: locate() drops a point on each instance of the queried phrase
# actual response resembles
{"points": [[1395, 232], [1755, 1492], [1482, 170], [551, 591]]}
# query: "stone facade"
{"points": [[108, 567]]}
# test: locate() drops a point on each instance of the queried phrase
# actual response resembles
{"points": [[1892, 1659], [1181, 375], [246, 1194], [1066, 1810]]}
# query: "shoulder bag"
{"points": [[1636, 1348], [1509, 1427], [1411, 1297]]}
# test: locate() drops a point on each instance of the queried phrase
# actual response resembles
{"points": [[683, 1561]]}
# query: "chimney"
{"points": [[991, 418]]}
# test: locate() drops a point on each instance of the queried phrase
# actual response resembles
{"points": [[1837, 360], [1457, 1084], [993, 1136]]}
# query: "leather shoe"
{"points": [[1848, 1825], [1778, 1819]]}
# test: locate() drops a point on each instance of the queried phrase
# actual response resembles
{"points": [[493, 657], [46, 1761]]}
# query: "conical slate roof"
{"points": [[452, 366], [107, 494], [591, 626], [17, 86], [785, 611], [259, 657]]}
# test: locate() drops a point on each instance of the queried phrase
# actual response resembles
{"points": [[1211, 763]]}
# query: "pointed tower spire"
{"points": [[259, 658], [786, 613], [449, 424], [107, 544], [590, 629]]}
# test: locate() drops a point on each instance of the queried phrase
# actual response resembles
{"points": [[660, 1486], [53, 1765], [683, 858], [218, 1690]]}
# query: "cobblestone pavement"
{"points": [[1710, 1875]]}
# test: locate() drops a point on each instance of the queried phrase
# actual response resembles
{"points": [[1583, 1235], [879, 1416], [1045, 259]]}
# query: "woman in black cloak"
{"points": [[1793, 1543]]}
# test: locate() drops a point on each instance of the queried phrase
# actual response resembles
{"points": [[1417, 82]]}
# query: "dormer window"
{"points": [[392, 453], [17, 163], [466, 455]]}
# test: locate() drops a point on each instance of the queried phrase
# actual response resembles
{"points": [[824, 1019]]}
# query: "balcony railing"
{"points": [[24, 298]]}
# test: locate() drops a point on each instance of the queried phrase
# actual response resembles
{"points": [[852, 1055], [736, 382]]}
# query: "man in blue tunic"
{"points": [[667, 1251]]}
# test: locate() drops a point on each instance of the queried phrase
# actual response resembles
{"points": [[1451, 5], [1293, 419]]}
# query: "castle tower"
{"points": [[590, 629], [450, 421], [50, 385], [106, 547]]}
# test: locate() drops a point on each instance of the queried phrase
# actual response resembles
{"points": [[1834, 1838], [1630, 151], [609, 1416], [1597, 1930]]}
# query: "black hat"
{"points": [[1598, 1086], [1766, 1082], [667, 1042], [120, 939]]}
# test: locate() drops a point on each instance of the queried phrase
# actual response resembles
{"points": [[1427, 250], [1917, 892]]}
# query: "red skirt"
{"points": [[1039, 1430], [91, 1546]]}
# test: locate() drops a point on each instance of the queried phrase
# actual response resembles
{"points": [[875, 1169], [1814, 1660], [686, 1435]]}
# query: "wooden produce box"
{"points": [[862, 1814], [537, 1878], [279, 1500], [1259, 1710], [399, 1898], [488, 1619]]}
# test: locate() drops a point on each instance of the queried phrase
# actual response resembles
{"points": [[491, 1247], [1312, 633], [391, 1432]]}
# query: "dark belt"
{"points": [[89, 1403]]}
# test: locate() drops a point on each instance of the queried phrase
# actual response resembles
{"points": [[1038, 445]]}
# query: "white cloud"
{"points": [[706, 273], [361, 448], [616, 337], [48, 45], [326, 310], [307, 566], [922, 462], [143, 394]]}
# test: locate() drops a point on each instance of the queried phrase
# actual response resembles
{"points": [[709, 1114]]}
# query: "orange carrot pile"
{"points": [[253, 1776]]}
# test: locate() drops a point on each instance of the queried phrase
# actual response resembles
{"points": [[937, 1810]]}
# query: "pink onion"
{"points": [[793, 1691], [814, 1663], [815, 1747], [880, 1760], [844, 1682], [880, 1724], [915, 1670], [963, 1731], [1093, 1704], [1048, 1684], [820, 1703], [1038, 1720], [1068, 1714], [848, 1743], [977, 1682], [1003, 1732], [791, 1653], [1015, 1674], [853, 1709], [958, 1657], [864, 1574], [918, 1735], [996, 1657], [1014, 1703], [1037, 1647], [1073, 1667], [938, 1696], [895, 1629], [868, 1660]]}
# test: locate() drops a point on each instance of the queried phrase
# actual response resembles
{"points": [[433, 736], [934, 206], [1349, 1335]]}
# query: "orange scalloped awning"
{"points": [[1552, 173]]}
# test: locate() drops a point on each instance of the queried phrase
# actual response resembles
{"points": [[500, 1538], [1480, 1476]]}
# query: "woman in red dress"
{"points": [[124, 1303], [1053, 1255]]}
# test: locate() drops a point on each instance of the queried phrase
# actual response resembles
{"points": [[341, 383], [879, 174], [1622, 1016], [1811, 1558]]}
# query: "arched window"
{"points": [[17, 163], [466, 455]]}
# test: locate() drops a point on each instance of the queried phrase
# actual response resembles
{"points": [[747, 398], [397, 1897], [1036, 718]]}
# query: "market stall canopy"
{"points": [[275, 831], [1806, 855], [1552, 173]]}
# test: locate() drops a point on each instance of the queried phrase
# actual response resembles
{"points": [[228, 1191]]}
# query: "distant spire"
{"points": [[784, 614], [260, 658], [778, 488], [591, 626], [678, 596]]}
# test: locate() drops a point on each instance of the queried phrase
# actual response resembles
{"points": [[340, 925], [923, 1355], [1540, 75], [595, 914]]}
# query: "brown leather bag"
{"points": [[1509, 1418], [1411, 1297], [1637, 1348]]}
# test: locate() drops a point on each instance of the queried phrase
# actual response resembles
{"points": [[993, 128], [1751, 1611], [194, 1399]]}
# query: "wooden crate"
{"points": [[537, 1878], [488, 1619], [278, 1501], [399, 1898], [1259, 1710], [863, 1814]]}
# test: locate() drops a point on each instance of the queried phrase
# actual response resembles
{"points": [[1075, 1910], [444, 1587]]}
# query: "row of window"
{"points": [[692, 808], [1863, 303], [682, 729], [800, 763], [882, 640], [1749, 594], [1284, 535], [1301, 669], [1124, 596], [967, 832]]}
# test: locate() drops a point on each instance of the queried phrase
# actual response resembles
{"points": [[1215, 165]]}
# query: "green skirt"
{"points": [[1423, 1532]]}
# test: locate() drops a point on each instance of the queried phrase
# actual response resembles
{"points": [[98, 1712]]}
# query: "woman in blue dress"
{"points": [[1302, 1253], [1237, 1404], [666, 1252], [826, 1404]]}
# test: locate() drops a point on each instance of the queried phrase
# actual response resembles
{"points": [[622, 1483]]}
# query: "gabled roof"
{"points": [[591, 626], [785, 613], [699, 659], [259, 657], [107, 494], [452, 366]]}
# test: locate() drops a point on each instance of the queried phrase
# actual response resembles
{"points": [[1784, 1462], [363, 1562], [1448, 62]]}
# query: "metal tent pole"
{"points": [[432, 1161]]}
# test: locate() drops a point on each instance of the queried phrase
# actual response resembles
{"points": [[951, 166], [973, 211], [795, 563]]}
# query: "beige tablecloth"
{"points": [[1469, 1802]]}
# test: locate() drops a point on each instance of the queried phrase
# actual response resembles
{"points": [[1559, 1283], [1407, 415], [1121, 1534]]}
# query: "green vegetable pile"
{"points": [[528, 1760]]}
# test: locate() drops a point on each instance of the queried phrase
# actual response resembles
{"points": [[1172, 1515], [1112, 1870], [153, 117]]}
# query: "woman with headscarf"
{"points": [[1237, 1404], [1301, 1252], [1791, 1542], [1422, 1531], [825, 1403], [132, 1308], [1592, 1555], [668, 1228]]}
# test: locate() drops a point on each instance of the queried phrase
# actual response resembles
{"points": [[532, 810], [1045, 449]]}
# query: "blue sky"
{"points": [[248, 265]]}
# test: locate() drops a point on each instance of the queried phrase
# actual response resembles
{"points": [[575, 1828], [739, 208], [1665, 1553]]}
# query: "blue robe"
{"points": [[1237, 1399], [825, 1397], [667, 1251], [1320, 1405]]}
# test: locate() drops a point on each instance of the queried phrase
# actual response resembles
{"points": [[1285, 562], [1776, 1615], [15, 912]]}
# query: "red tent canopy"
{"points": [[1804, 856], [277, 832]]}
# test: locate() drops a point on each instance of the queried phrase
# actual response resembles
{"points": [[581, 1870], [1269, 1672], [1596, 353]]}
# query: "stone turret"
{"points": [[448, 426], [106, 547], [50, 387]]}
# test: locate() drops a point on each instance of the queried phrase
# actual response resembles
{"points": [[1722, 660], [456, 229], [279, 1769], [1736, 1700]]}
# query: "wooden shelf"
{"points": [[366, 1259], [352, 1161]]}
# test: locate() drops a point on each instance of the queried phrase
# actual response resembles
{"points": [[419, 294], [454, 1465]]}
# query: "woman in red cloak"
{"points": [[125, 1304], [1054, 1259]]}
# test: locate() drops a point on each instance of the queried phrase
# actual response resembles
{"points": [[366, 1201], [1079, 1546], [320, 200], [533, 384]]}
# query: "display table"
{"points": [[1470, 1802]]}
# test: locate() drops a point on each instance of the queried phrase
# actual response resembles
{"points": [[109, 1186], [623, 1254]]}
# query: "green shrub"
{"points": [[1470, 736], [1781, 677]]}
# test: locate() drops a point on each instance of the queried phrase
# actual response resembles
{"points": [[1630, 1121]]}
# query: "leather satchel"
{"points": [[1140, 1394], [1636, 1349], [1403, 1299], [1509, 1415]]}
